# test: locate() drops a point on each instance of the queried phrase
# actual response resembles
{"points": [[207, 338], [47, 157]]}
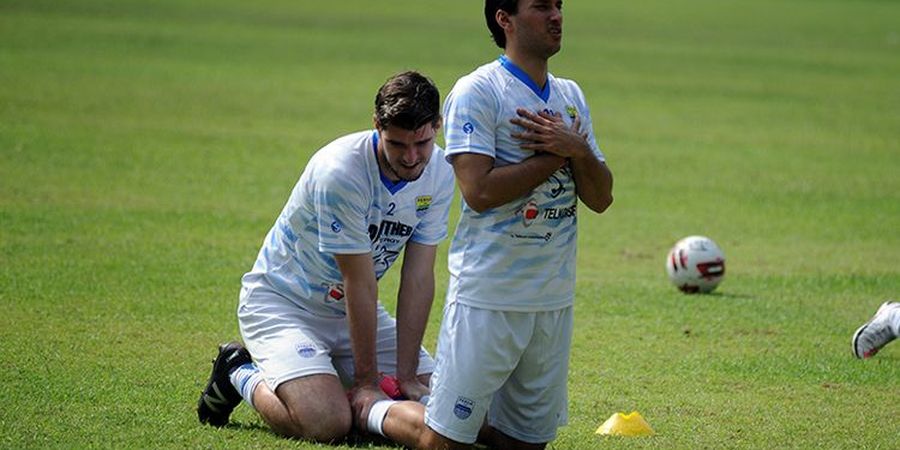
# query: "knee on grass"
{"points": [[325, 428]]}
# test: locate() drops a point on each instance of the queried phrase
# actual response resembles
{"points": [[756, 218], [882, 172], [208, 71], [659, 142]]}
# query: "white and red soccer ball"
{"points": [[696, 264]]}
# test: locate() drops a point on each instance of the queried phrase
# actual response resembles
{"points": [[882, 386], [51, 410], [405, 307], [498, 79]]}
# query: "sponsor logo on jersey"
{"points": [[468, 128], [571, 111], [306, 350], [559, 213], [529, 212], [542, 237], [463, 407], [389, 228]]}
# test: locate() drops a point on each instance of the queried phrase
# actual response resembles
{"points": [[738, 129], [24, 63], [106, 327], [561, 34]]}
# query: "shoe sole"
{"points": [[856, 343]]}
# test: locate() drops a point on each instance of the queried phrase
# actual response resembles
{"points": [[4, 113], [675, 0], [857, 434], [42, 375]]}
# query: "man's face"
{"points": [[403, 154], [538, 27]]}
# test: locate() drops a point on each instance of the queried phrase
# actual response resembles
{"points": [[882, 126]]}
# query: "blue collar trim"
{"points": [[391, 186], [517, 72]]}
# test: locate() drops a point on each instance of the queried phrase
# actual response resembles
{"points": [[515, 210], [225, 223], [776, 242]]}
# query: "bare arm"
{"points": [[484, 186], [548, 133], [361, 295], [413, 305], [593, 182]]}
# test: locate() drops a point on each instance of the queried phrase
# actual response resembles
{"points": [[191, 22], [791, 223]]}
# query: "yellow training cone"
{"points": [[625, 425]]}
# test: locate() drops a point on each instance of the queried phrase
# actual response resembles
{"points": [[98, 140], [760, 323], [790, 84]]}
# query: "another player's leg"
{"points": [[404, 422], [219, 397], [883, 328], [532, 403], [478, 349]]}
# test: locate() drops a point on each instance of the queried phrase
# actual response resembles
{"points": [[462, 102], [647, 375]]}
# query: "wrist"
{"points": [[582, 152], [366, 378], [406, 376]]}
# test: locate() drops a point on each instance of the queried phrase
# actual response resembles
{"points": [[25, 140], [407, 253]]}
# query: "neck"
{"points": [[384, 166], [535, 67]]}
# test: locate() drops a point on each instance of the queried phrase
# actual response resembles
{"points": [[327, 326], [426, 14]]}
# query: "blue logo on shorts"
{"points": [[463, 408], [306, 350], [468, 128], [336, 226]]}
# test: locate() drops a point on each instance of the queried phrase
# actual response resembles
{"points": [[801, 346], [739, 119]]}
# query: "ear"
{"points": [[502, 18], [440, 122]]}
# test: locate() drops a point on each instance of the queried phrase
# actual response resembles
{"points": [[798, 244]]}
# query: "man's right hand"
{"points": [[413, 389]]}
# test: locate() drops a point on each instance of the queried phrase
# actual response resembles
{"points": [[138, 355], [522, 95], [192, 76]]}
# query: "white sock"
{"points": [[245, 379], [379, 410]]}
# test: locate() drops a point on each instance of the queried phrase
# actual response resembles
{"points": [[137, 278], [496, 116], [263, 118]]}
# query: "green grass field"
{"points": [[146, 148]]}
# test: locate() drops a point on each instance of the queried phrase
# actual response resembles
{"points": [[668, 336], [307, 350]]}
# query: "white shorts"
{"points": [[288, 342], [509, 366]]}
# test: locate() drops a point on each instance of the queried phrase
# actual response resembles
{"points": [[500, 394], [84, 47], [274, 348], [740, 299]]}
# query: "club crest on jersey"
{"points": [[334, 293], [529, 212], [468, 128], [571, 111], [306, 350], [463, 407], [337, 226], [423, 202]]}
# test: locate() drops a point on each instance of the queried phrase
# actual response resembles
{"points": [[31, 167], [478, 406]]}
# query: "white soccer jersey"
{"points": [[519, 256], [343, 205]]}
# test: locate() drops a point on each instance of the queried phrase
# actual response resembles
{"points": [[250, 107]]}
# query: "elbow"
{"points": [[478, 206], [601, 204], [478, 203]]}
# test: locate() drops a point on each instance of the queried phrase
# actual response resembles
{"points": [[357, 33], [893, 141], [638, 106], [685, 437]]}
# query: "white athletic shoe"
{"points": [[876, 333]]}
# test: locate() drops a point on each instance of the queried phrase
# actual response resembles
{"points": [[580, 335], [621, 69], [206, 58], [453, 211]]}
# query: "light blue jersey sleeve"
{"points": [[470, 114]]}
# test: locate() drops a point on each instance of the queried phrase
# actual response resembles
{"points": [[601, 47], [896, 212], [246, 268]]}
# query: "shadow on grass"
{"points": [[729, 295], [354, 439]]}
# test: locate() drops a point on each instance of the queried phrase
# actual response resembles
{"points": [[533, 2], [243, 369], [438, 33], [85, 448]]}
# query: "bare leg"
{"points": [[313, 408], [405, 424]]}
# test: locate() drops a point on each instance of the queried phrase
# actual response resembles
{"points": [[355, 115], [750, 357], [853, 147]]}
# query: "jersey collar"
{"points": [[391, 186], [517, 72]]}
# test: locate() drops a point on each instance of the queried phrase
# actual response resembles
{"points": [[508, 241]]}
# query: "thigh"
{"points": [[477, 351], [318, 406], [285, 341], [532, 403]]}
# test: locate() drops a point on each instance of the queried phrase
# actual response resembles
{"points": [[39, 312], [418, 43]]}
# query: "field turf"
{"points": [[147, 147]]}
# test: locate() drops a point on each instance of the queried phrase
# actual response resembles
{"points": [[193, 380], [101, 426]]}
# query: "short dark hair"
{"points": [[490, 16], [407, 100]]}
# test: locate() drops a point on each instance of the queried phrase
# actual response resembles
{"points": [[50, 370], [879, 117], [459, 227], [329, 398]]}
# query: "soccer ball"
{"points": [[695, 264]]}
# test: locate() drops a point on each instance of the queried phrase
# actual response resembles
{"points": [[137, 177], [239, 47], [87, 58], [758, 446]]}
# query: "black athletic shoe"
{"points": [[219, 397]]}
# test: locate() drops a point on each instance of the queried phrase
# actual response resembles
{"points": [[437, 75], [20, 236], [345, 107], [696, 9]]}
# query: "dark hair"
{"points": [[490, 16], [407, 100]]}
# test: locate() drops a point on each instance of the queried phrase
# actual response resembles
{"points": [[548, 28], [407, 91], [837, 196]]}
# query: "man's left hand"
{"points": [[545, 132]]}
